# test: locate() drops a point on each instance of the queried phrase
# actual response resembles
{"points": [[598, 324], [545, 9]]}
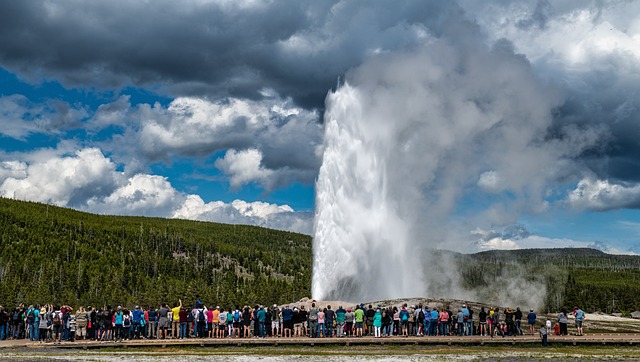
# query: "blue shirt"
{"points": [[287, 314]]}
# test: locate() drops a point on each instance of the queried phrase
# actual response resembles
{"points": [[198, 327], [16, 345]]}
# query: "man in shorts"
{"points": [[358, 317], [579, 315]]}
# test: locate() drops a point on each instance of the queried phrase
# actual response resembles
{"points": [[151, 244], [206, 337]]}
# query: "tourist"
{"points": [[443, 322], [313, 321], [531, 319], [56, 318], [44, 324], [33, 322], [482, 320], [246, 321], [175, 320], [518, 317], [137, 320], [182, 318], [563, 321], [329, 318], [321, 320], [404, 320], [152, 319], [119, 324], [275, 321], [287, 320], [433, 322], [543, 335], [340, 321], [508, 320], [163, 320], [81, 323], [348, 320], [421, 321], [377, 322], [579, 316], [466, 324], [369, 320]]}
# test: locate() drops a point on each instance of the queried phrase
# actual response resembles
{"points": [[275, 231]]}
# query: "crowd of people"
{"points": [[49, 323]]}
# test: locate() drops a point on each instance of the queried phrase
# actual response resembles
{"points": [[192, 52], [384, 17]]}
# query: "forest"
{"points": [[50, 254]]}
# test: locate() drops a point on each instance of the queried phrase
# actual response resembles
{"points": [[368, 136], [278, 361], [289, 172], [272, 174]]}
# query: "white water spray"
{"points": [[361, 233], [408, 136]]}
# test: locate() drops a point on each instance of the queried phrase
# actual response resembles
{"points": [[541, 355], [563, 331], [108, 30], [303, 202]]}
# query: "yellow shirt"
{"points": [[176, 314], [215, 315]]}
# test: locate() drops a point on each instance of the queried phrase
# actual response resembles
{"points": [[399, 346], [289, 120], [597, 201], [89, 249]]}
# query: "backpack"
{"points": [[236, 316], [56, 319], [421, 315], [201, 315], [405, 316], [31, 316]]}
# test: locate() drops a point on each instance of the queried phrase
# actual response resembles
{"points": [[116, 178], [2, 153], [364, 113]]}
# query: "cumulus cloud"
{"points": [[270, 141], [20, 117], [244, 167], [89, 181], [259, 213], [601, 195], [68, 180]]}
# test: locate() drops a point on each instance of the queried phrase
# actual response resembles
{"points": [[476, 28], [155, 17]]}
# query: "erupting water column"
{"points": [[361, 243]]}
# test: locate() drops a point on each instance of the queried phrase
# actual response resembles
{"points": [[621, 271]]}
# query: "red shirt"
{"points": [[183, 316]]}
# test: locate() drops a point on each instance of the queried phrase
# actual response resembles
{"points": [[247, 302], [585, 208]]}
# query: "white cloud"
{"points": [[89, 181], [492, 240], [244, 167], [12, 169], [286, 135], [68, 180], [19, 117], [490, 181], [601, 195], [142, 194]]}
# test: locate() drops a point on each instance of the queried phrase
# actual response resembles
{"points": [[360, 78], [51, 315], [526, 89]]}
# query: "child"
{"points": [[556, 329], [72, 328]]}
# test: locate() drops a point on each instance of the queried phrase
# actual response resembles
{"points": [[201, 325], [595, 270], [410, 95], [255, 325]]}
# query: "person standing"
{"points": [[81, 323], [563, 321], [377, 323], [33, 322], [313, 320], [321, 323], [579, 315], [348, 320], [329, 318], [175, 320], [358, 317], [518, 316], [531, 319], [340, 321]]}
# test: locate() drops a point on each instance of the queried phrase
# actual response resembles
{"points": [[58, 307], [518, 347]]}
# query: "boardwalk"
{"points": [[592, 339]]}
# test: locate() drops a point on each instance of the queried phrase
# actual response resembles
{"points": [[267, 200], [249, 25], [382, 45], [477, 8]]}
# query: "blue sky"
{"points": [[214, 110]]}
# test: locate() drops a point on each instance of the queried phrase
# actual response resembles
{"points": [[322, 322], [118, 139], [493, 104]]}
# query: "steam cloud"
{"points": [[407, 137]]}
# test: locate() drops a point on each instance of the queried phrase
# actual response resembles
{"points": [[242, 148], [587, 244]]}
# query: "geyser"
{"points": [[407, 137]]}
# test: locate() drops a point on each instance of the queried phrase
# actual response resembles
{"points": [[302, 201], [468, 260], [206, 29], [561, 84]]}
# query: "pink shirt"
{"points": [[320, 317], [209, 315]]}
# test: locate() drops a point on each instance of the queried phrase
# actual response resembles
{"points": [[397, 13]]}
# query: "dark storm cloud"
{"points": [[205, 48]]}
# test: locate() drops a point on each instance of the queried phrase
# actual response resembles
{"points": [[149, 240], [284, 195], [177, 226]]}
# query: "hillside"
{"points": [[590, 278], [52, 254]]}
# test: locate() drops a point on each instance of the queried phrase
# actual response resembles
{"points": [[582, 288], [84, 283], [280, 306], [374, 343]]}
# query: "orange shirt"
{"points": [[214, 316]]}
